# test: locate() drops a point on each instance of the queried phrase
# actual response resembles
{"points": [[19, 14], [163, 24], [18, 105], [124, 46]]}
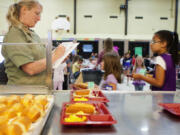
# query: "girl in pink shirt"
{"points": [[112, 71]]}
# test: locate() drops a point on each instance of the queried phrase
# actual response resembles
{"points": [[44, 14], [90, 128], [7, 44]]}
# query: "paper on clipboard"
{"points": [[69, 47]]}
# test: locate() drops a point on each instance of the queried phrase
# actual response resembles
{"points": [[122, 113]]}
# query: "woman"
{"points": [[26, 64], [108, 47]]}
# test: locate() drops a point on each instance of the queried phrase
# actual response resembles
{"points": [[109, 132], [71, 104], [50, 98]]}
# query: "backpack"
{"points": [[3, 75]]}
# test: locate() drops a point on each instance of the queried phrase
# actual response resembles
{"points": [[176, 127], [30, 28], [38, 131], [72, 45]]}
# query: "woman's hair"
{"points": [[136, 64], [108, 45], [14, 13], [172, 40], [112, 66]]}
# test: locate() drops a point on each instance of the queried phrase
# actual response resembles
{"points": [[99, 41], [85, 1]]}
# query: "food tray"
{"points": [[94, 96], [36, 128], [101, 117], [173, 108]]}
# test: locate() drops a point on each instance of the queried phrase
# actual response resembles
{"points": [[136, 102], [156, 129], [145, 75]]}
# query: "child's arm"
{"points": [[158, 81], [112, 85]]}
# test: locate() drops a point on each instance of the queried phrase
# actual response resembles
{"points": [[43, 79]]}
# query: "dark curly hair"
{"points": [[172, 40]]}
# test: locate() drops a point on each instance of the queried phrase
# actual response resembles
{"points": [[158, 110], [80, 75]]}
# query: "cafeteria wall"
{"points": [[103, 17]]}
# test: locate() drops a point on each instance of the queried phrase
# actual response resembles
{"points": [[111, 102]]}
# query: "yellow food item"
{"points": [[85, 107], [3, 100], [10, 113], [84, 92], [17, 113], [33, 113], [3, 120], [3, 108], [17, 107], [23, 122], [41, 99], [74, 118], [27, 100], [13, 99], [3, 128], [80, 113], [13, 129], [81, 99], [82, 85]]}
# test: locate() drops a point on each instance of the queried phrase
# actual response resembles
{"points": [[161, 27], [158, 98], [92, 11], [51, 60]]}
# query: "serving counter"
{"points": [[137, 113]]}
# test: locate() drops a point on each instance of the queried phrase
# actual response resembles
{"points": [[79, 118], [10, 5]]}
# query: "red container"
{"points": [[101, 117], [173, 108], [98, 96]]}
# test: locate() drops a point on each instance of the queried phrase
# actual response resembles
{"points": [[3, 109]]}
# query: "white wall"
{"points": [[4, 4], [151, 10], [52, 8], [100, 23]]}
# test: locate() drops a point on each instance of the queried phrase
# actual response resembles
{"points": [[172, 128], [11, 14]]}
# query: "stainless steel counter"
{"points": [[137, 113]]}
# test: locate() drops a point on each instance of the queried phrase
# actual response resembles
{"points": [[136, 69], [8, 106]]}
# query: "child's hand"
{"points": [[137, 76]]}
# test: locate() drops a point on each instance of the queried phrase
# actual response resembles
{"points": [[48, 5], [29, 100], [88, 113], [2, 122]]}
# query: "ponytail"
{"points": [[14, 13], [172, 40], [173, 49]]}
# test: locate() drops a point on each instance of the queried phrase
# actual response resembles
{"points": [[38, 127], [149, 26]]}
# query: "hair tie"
{"points": [[16, 5]]}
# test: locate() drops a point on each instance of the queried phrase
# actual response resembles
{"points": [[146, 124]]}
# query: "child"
{"points": [[127, 61], [140, 69], [112, 71], [165, 44], [76, 67], [58, 78]]}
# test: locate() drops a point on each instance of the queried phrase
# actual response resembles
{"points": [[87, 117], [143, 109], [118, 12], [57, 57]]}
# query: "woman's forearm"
{"points": [[35, 67], [39, 66]]}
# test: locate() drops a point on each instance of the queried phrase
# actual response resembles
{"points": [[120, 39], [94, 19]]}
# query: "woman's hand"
{"points": [[59, 52]]}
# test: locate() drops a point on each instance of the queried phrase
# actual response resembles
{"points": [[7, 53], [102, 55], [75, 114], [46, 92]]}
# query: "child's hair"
{"points": [[80, 59], [172, 40], [112, 66], [136, 64], [108, 45], [127, 54], [76, 58]]}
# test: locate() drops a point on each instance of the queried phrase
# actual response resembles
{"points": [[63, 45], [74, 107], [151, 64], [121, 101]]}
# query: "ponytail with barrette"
{"points": [[17, 9], [16, 5]]}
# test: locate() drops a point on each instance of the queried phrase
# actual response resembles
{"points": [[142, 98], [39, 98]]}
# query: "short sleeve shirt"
{"points": [[110, 79], [18, 55], [76, 67], [160, 61]]}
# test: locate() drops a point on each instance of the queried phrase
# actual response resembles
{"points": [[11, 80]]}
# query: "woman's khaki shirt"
{"points": [[18, 55]]}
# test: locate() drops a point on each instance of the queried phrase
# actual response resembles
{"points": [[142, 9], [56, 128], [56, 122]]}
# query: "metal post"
{"points": [[75, 20], [126, 18], [176, 16], [49, 81]]}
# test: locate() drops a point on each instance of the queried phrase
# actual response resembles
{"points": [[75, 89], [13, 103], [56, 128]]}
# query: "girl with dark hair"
{"points": [[165, 44], [112, 71]]}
